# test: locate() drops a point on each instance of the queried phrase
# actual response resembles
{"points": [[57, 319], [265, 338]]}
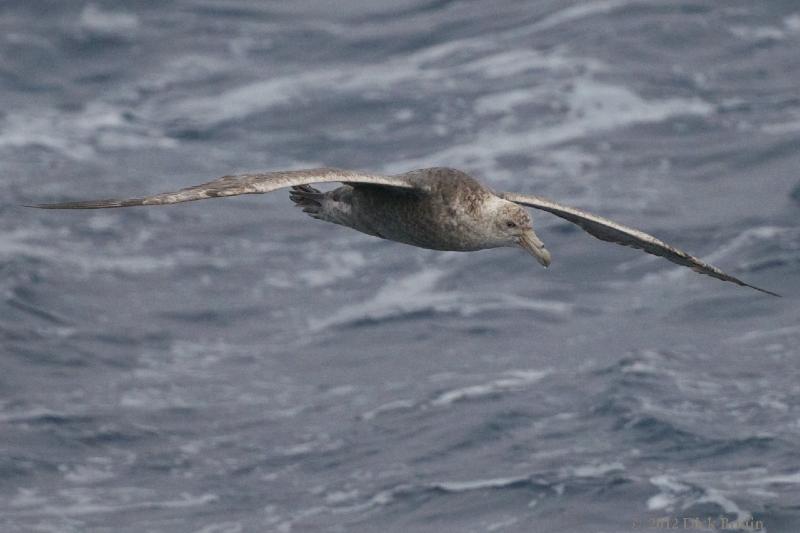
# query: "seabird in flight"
{"points": [[436, 208]]}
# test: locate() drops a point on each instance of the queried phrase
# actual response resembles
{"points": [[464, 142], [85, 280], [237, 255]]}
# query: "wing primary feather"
{"points": [[89, 204], [258, 183], [610, 231]]}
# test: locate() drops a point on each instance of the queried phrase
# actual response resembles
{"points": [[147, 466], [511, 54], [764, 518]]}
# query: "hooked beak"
{"points": [[531, 242]]}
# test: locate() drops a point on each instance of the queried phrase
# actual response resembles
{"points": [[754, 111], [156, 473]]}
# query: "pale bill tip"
{"points": [[531, 242]]}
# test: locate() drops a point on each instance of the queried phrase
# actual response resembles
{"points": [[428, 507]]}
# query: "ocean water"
{"points": [[234, 366]]}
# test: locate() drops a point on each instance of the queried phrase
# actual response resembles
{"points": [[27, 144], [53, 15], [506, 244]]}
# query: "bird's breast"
{"points": [[424, 220]]}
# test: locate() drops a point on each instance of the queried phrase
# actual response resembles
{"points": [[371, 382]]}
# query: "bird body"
{"points": [[446, 210], [438, 208]]}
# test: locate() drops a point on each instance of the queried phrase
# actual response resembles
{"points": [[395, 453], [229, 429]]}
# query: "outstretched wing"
{"points": [[610, 231], [241, 184]]}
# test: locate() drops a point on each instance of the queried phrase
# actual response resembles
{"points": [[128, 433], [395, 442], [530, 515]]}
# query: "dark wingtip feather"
{"points": [[89, 204], [741, 283], [765, 291]]}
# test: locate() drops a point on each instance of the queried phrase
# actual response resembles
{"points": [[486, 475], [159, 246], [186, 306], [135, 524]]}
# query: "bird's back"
{"points": [[441, 213]]}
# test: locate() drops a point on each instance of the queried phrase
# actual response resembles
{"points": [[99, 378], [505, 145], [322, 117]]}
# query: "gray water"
{"points": [[234, 366]]}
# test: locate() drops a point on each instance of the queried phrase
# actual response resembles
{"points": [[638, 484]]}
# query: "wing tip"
{"points": [[765, 291], [44, 206], [745, 284], [88, 204]]}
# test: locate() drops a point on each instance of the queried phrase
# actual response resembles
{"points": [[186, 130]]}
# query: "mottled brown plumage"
{"points": [[436, 208]]}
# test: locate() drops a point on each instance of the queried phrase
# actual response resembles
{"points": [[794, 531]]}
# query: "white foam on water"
{"points": [[442, 51], [678, 494], [787, 479], [185, 69], [341, 496], [33, 413], [94, 471], [27, 498], [240, 102], [512, 381], [790, 26], [338, 265], [774, 402], [579, 11], [478, 484], [381, 499], [760, 335], [79, 134], [594, 470], [321, 444], [792, 22], [757, 483], [718, 498], [502, 524], [223, 527], [131, 257], [429, 68], [83, 503], [98, 21], [758, 33], [29, 39], [782, 128], [505, 102], [517, 61], [410, 294], [591, 107], [505, 302], [397, 405], [670, 488], [417, 293], [258, 96], [154, 398], [595, 106]]}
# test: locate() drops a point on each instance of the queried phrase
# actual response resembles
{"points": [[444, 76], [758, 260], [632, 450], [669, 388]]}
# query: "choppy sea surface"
{"points": [[233, 366]]}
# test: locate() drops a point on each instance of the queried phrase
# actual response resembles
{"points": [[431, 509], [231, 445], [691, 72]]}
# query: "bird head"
{"points": [[514, 226]]}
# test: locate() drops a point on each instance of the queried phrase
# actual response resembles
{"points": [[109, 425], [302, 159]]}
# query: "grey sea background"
{"points": [[234, 366]]}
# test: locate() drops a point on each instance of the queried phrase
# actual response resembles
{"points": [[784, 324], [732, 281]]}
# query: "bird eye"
{"points": [[511, 224]]}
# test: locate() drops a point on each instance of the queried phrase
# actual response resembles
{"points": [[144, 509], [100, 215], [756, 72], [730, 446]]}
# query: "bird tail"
{"points": [[309, 199]]}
